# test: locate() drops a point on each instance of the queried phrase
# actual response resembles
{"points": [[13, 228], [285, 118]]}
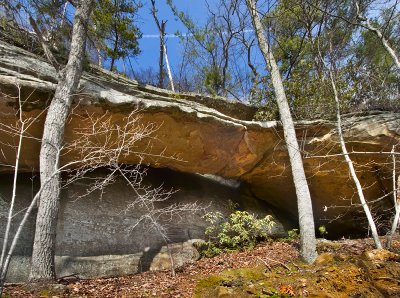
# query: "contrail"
{"points": [[166, 35], [184, 34]]}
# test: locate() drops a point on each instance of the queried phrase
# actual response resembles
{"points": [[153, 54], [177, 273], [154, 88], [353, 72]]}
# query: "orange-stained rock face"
{"points": [[207, 135]]}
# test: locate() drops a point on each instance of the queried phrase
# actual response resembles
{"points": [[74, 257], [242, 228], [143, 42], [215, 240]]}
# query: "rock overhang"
{"points": [[210, 135]]}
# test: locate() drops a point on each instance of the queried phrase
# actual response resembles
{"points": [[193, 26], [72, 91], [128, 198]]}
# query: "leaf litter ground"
{"points": [[269, 269]]}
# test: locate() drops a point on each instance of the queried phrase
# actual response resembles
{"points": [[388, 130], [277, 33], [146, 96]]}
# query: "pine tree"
{"points": [[114, 29]]}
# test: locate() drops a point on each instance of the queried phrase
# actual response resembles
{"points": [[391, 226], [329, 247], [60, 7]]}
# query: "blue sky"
{"points": [[149, 43]]}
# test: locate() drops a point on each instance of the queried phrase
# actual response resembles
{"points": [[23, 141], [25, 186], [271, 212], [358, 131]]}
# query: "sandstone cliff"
{"points": [[211, 136]]}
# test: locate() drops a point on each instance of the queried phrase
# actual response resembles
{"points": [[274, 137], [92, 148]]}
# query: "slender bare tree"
{"points": [[19, 130], [360, 192], [161, 30], [396, 202], [42, 266], [163, 49], [366, 22], [304, 204]]}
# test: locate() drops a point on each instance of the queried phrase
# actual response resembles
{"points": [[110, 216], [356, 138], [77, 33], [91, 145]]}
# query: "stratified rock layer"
{"points": [[98, 235], [211, 136]]}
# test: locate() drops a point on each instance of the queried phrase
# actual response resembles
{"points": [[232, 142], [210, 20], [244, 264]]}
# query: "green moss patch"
{"points": [[333, 276]]}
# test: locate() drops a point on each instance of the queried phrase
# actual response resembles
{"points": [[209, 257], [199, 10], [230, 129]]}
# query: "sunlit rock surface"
{"points": [[212, 136]]}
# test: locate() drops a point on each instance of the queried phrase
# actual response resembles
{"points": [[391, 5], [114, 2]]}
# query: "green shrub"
{"points": [[240, 230], [322, 230], [293, 234]]}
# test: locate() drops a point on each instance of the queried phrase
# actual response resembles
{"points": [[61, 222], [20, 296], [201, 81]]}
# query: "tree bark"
{"points": [[171, 80], [42, 267], [304, 204], [396, 201], [161, 30], [161, 59], [353, 174]]}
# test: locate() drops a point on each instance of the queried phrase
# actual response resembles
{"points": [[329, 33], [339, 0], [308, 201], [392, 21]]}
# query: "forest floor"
{"points": [[345, 268]]}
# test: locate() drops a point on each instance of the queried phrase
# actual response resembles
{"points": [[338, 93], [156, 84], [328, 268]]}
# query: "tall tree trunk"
{"points": [[304, 205], [42, 267], [161, 30], [161, 58], [396, 201]]}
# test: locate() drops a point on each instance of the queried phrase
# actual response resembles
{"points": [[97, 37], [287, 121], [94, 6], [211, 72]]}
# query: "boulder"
{"points": [[381, 255]]}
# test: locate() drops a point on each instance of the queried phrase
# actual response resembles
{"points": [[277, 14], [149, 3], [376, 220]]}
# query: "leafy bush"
{"points": [[293, 234], [240, 230]]}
